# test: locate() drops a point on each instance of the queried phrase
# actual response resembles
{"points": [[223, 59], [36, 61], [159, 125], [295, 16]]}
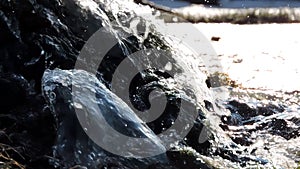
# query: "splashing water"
{"points": [[123, 18]]}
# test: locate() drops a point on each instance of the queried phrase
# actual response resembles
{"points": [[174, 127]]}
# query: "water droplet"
{"points": [[175, 19], [78, 105], [168, 66]]}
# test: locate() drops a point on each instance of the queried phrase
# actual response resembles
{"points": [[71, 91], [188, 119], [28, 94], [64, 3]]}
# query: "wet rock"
{"points": [[215, 38], [261, 118], [184, 158], [218, 79], [234, 119], [13, 90], [199, 136], [37, 35], [209, 106], [231, 154], [173, 107], [237, 61], [269, 109], [241, 108], [30, 131], [280, 127], [208, 82], [244, 112], [73, 146]]}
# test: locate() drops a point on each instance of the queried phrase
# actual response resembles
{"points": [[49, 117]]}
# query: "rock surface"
{"points": [[41, 34], [35, 36]]}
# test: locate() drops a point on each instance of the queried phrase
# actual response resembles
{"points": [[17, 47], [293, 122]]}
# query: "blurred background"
{"points": [[230, 3]]}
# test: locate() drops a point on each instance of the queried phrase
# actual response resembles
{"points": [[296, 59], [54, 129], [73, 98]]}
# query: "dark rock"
{"points": [[166, 119], [35, 35], [280, 127], [73, 146], [236, 156], [185, 159], [214, 38], [199, 137], [245, 112], [218, 79], [267, 110], [29, 129], [208, 82], [242, 114], [13, 90], [41, 34], [242, 109], [234, 119], [209, 106]]}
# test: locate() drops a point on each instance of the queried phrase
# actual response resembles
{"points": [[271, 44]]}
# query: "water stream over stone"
{"points": [[229, 126]]}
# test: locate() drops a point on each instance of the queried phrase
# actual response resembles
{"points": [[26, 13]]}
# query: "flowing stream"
{"points": [[243, 129]]}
